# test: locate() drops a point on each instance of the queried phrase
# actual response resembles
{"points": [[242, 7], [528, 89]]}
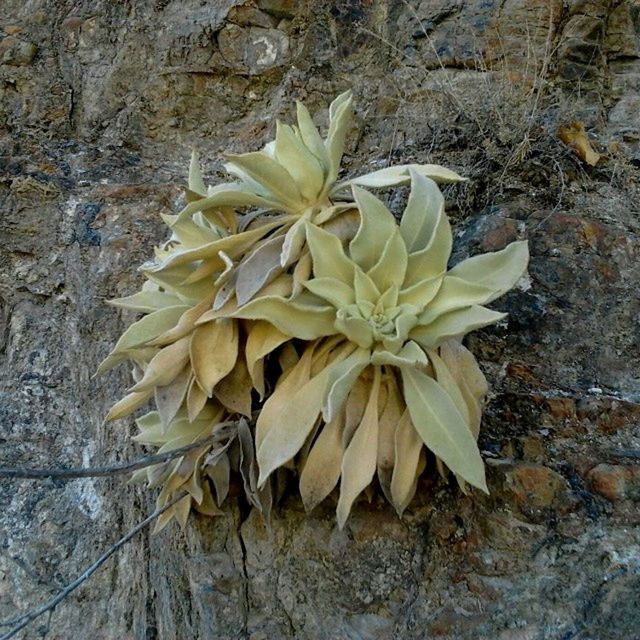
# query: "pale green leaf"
{"points": [[329, 259], [364, 288], [499, 271], [271, 175], [333, 291], [196, 183], [399, 175], [454, 293], [376, 227], [339, 121], [423, 213], [310, 135], [420, 294], [341, 381], [391, 268], [454, 324], [441, 427], [304, 321], [303, 166], [141, 332], [448, 383], [146, 301], [411, 355]]}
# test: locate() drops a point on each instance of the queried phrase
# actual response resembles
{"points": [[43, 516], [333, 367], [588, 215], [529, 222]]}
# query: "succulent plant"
{"points": [[299, 299], [376, 315]]}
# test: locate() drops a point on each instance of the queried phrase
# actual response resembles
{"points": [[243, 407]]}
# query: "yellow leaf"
{"points": [[360, 458], [263, 338], [165, 366], [408, 447], [213, 352], [322, 469], [576, 137]]}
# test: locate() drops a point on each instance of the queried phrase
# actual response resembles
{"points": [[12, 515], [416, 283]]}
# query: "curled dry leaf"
{"points": [[576, 137]]}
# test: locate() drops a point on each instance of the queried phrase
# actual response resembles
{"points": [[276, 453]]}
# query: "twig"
{"points": [[27, 618], [96, 472]]}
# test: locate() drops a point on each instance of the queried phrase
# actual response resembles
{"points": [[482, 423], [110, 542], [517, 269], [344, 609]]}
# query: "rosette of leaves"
{"points": [[292, 181], [383, 374]]}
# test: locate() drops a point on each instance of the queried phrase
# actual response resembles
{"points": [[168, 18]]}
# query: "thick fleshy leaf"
{"points": [[408, 446], [233, 195], [420, 294], [169, 398], [165, 366], [376, 227], [213, 351], [303, 321], [498, 271], [284, 439], [129, 404], [341, 382], [310, 135], [329, 259], [411, 355], [423, 213], [303, 166], [360, 457], [431, 261], [261, 266], [465, 370], [233, 246], [321, 471], [293, 243], [146, 301], [399, 175], [290, 382], [448, 383], [391, 268], [271, 175], [196, 400], [339, 121], [454, 324], [196, 183], [365, 288], [263, 338], [234, 390], [454, 293], [332, 290], [141, 332], [185, 324], [390, 416], [441, 427]]}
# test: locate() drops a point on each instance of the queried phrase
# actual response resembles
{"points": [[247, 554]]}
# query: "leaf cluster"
{"points": [[291, 314]]}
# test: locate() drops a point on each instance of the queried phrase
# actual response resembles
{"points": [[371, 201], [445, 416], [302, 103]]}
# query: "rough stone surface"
{"points": [[100, 103]]}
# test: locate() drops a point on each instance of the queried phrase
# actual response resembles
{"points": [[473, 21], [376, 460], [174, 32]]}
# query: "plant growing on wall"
{"points": [[295, 323]]}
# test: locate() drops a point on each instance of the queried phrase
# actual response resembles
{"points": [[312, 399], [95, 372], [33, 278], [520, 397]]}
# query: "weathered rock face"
{"points": [[100, 104]]}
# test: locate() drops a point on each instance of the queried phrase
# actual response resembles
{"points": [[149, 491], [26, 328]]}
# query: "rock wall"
{"points": [[101, 102]]}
